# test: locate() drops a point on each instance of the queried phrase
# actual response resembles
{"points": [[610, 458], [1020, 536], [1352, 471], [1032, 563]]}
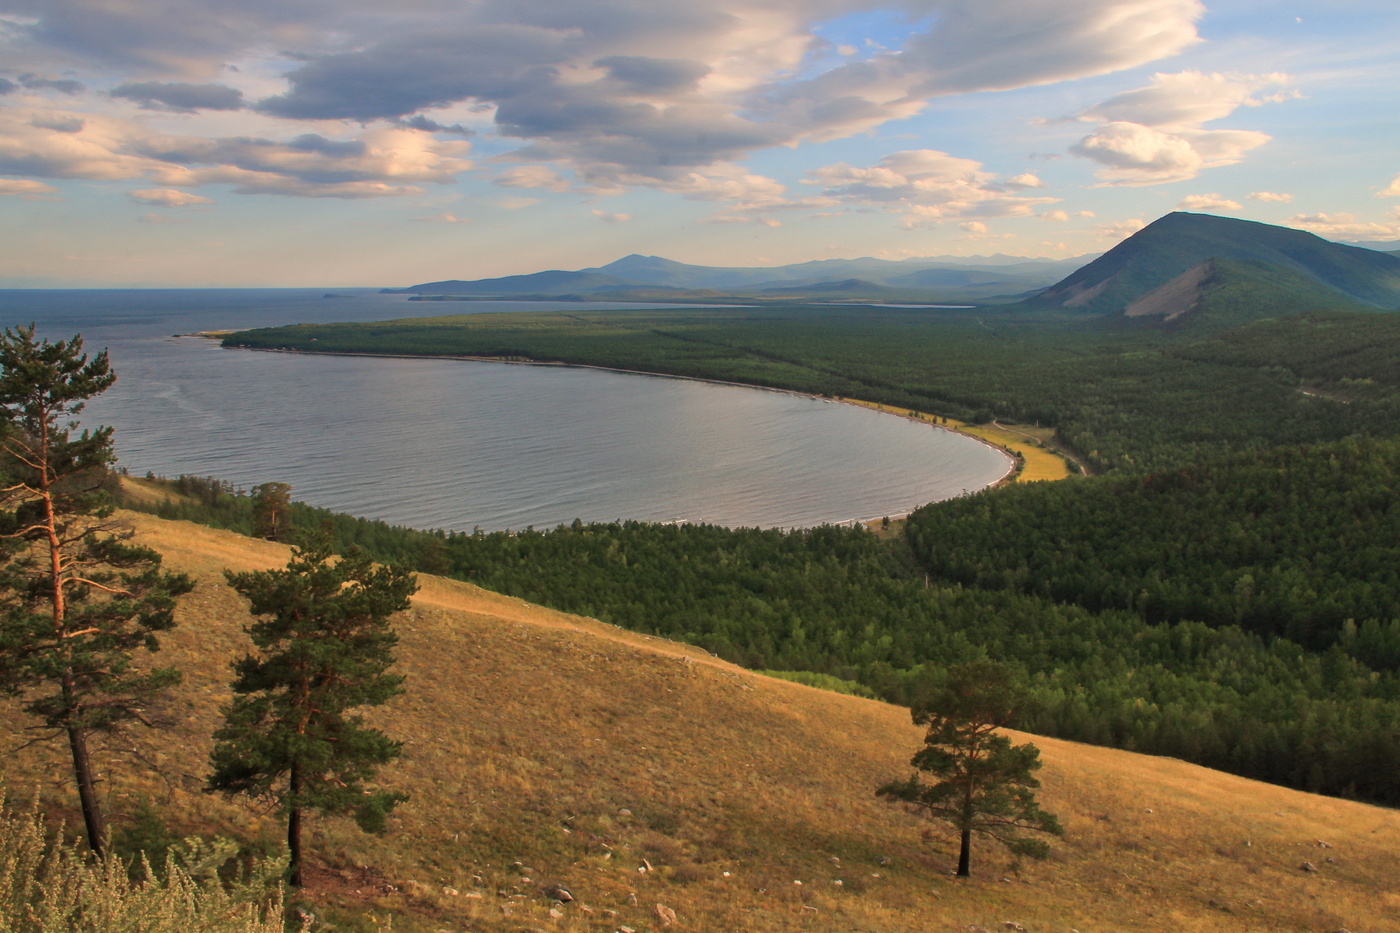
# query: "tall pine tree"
{"points": [[325, 647], [984, 784], [77, 599]]}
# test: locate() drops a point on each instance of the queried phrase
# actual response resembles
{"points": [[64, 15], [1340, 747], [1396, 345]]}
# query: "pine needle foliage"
{"points": [[324, 649], [984, 784], [77, 599]]}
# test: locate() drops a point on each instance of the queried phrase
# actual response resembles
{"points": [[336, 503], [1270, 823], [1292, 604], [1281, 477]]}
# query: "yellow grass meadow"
{"points": [[543, 748]]}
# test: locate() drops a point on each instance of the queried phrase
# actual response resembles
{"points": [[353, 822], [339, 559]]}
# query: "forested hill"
{"points": [[841, 606], [1300, 542], [1174, 244]]}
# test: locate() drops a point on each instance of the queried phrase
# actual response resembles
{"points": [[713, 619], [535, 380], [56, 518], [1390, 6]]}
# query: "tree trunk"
{"points": [[294, 829], [87, 791], [965, 855]]}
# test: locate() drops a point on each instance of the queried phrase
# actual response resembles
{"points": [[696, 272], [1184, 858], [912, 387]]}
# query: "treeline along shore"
{"points": [[1222, 590]]}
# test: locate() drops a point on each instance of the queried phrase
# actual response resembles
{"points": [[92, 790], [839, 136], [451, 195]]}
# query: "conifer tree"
{"points": [[77, 599], [984, 784], [324, 648]]}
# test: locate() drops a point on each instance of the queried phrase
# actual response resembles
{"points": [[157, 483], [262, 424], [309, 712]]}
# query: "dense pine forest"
{"points": [[1223, 591]]}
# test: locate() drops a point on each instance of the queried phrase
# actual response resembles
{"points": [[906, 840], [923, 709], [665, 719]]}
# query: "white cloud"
{"points": [[532, 176], [973, 226], [154, 218], [1393, 190], [1269, 196], [380, 162], [619, 93], [926, 185], [1344, 226], [443, 218], [167, 197], [1154, 135], [1024, 181], [1189, 98], [24, 187], [1208, 202], [1122, 229], [612, 218], [1135, 155]]}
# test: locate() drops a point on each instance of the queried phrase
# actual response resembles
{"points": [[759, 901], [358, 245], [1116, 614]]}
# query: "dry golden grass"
{"points": [[585, 753]]}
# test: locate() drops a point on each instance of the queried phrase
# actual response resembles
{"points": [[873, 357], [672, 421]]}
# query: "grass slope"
{"points": [[543, 748]]}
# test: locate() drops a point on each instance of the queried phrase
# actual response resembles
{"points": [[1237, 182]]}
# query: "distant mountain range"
{"points": [[1181, 268], [650, 278]]}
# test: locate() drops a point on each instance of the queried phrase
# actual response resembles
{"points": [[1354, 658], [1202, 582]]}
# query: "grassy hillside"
{"points": [[554, 748]]}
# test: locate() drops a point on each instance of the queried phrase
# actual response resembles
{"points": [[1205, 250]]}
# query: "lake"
{"points": [[461, 445]]}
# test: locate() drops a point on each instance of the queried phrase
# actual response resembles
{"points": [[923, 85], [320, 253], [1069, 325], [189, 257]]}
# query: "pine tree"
{"points": [[325, 646], [984, 785], [271, 504], [77, 599]]}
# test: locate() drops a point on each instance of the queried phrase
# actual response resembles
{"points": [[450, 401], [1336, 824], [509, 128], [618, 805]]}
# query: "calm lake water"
{"points": [[457, 445]]}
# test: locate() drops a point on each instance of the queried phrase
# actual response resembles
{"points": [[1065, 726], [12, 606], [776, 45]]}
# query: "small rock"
{"points": [[1013, 925], [557, 892], [1322, 845], [647, 865], [839, 883], [417, 888], [474, 895], [797, 884], [882, 860], [556, 914], [632, 899], [725, 873], [451, 892], [1148, 810], [1006, 881], [1307, 866], [306, 918], [624, 812], [625, 930], [834, 860], [664, 915]]}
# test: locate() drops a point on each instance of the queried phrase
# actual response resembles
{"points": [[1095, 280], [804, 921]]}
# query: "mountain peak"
{"points": [[1177, 242]]}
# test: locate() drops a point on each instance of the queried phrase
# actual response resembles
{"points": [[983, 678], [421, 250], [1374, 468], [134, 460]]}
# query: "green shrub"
{"points": [[47, 886]]}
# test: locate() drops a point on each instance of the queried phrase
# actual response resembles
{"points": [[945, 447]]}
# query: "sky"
{"points": [[229, 143]]}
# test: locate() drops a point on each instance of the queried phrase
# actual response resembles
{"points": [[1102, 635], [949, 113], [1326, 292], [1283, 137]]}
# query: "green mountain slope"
{"points": [[1220, 293], [1176, 243]]}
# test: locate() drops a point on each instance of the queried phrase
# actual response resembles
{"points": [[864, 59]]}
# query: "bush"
{"points": [[46, 886]]}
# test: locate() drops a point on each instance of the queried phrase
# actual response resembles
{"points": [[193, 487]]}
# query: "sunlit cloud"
{"points": [[1121, 230], [443, 218], [1208, 202], [927, 186], [1154, 135], [1269, 196], [24, 187], [167, 197], [1344, 226]]}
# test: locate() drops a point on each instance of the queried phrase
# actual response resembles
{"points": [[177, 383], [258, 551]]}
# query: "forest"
{"points": [[1223, 589]]}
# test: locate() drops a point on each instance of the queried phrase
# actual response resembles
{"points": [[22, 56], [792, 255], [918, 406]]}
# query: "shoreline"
{"points": [[1015, 461]]}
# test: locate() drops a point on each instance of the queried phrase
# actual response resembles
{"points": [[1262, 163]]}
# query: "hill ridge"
{"points": [[543, 747]]}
